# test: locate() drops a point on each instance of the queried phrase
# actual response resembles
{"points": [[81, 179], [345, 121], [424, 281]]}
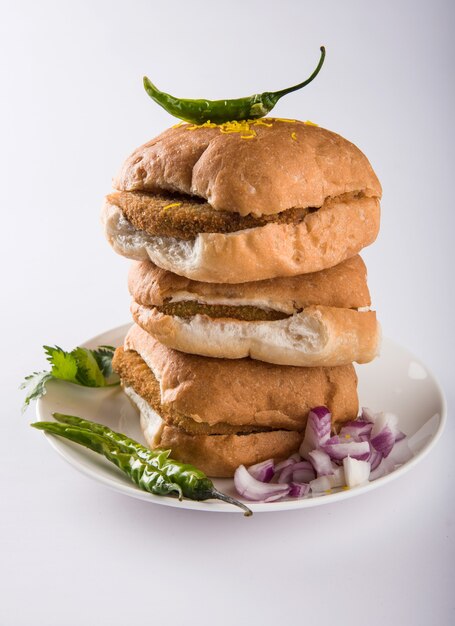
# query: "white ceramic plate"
{"points": [[395, 382]]}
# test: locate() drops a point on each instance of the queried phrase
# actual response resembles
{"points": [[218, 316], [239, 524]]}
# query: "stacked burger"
{"points": [[249, 299]]}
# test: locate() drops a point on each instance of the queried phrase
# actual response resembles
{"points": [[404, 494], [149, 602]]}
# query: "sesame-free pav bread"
{"points": [[217, 413], [316, 319], [244, 201]]}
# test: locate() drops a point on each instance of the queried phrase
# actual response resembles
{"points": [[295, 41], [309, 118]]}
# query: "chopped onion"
{"points": [[365, 449], [375, 458], [384, 432], [386, 466], [283, 464], [401, 452], [355, 472], [301, 472], [368, 415], [321, 462], [358, 431], [253, 489], [326, 483], [317, 430], [298, 490], [264, 471], [359, 450]]}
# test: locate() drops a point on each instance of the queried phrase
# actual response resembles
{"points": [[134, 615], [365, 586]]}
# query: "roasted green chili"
{"points": [[220, 111], [151, 470]]}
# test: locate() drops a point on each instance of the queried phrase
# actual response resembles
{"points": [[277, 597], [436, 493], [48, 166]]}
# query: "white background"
{"points": [[72, 108]]}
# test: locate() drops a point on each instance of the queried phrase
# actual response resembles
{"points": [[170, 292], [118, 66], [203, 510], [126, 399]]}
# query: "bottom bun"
{"points": [[216, 455]]}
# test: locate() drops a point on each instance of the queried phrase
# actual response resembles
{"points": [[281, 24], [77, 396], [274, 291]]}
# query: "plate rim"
{"points": [[215, 506]]}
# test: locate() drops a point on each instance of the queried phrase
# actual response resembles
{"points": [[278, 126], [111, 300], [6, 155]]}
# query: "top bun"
{"points": [[260, 167]]}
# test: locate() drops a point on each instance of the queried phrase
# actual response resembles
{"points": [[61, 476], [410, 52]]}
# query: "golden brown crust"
{"points": [[344, 285], [220, 455], [184, 217], [136, 374], [285, 165], [245, 391]]}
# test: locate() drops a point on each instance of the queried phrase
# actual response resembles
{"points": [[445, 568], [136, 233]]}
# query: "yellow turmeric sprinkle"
{"points": [[308, 123], [345, 488], [283, 119], [328, 491], [347, 436], [179, 124], [294, 136], [245, 127], [169, 206], [260, 122]]}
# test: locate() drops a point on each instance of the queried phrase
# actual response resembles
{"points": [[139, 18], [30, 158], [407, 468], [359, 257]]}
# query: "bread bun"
{"points": [[260, 167], [220, 392], [317, 336], [344, 285], [324, 238]]}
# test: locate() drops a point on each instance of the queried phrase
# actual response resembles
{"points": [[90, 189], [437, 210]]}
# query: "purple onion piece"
{"points": [[283, 464], [317, 430], [359, 450], [375, 458], [384, 432], [321, 462], [399, 436], [252, 489], [301, 472], [264, 471], [358, 431], [299, 490]]}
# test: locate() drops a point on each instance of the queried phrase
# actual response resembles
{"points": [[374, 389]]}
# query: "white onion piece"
{"points": [[264, 471], [386, 466], [383, 433], [317, 430], [321, 462], [355, 472], [359, 450], [326, 483], [368, 415], [401, 452], [253, 489]]}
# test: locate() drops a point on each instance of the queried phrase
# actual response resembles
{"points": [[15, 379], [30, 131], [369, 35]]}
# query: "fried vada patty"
{"points": [[135, 373], [184, 217], [188, 308]]}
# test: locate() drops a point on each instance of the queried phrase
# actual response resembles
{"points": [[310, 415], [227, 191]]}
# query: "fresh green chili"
{"points": [[220, 111], [145, 476], [151, 470]]}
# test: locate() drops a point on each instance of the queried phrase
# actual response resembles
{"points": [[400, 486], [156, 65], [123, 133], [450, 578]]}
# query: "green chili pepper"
{"points": [[144, 466], [220, 111], [145, 476]]}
